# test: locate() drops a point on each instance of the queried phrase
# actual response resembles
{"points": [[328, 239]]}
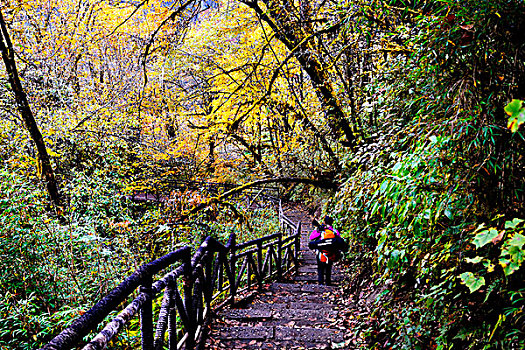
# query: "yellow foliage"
{"points": [[199, 92]]}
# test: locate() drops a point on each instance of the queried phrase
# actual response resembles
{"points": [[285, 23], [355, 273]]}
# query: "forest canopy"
{"points": [[403, 119]]}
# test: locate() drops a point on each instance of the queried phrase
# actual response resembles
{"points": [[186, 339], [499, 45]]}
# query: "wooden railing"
{"points": [[191, 287]]}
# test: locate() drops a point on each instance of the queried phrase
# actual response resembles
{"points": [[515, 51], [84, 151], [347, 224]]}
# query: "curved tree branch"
{"points": [[326, 184]]}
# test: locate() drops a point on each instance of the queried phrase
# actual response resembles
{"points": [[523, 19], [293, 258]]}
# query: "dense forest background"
{"points": [[401, 118]]}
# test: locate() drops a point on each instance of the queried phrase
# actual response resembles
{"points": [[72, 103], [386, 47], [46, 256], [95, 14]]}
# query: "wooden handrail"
{"points": [[85, 323], [255, 241], [213, 275]]}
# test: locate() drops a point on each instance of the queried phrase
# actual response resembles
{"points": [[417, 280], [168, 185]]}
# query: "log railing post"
{"points": [[233, 263], [188, 303], [298, 244], [248, 270], [164, 314], [198, 293], [209, 281], [280, 256], [260, 263], [146, 314], [281, 214], [172, 315]]}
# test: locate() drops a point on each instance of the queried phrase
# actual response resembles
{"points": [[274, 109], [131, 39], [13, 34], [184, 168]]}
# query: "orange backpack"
{"points": [[327, 255], [328, 233]]}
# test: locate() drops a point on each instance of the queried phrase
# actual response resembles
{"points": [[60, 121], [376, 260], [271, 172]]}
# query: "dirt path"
{"points": [[297, 314]]}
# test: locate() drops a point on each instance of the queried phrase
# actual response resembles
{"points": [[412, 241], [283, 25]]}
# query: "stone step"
{"points": [[279, 334], [335, 282], [307, 252], [288, 311], [318, 303], [252, 314], [271, 345], [297, 318], [306, 317], [285, 299], [312, 335], [272, 307], [312, 278], [308, 257], [306, 270], [301, 288], [244, 332]]}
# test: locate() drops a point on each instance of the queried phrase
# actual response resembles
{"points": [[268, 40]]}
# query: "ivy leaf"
{"points": [[517, 114], [518, 240], [475, 260], [512, 255], [484, 237], [513, 223], [509, 268], [490, 266], [513, 108], [472, 281]]}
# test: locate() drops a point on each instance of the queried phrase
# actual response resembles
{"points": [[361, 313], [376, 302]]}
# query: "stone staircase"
{"points": [[297, 314]]}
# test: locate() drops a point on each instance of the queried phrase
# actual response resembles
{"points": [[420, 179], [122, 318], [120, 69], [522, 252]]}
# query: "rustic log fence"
{"points": [[191, 287]]}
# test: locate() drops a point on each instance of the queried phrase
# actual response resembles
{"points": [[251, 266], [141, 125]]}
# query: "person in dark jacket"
{"points": [[324, 259]]}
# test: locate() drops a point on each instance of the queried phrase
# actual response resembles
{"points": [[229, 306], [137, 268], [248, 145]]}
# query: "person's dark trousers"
{"points": [[324, 271]]}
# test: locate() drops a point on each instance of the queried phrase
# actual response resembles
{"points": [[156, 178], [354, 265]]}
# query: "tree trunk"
{"points": [[279, 15], [8, 57]]}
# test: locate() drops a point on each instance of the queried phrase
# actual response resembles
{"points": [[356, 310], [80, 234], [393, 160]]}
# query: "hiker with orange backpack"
{"points": [[325, 255]]}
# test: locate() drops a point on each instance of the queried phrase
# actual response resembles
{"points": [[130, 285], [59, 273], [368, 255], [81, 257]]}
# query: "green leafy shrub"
{"points": [[437, 160]]}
